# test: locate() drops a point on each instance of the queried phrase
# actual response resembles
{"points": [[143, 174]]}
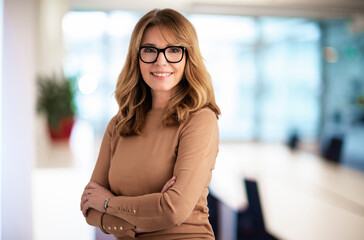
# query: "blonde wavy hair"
{"points": [[192, 93]]}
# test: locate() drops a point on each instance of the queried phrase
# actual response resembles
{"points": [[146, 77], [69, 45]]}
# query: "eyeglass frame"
{"points": [[163, 50]]}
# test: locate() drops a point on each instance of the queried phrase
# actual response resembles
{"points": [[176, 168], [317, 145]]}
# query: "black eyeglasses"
{"points": [[173, 54]]}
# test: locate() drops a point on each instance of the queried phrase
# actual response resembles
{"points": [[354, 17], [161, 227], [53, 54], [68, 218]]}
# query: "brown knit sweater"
{"points": [[136, 168]]}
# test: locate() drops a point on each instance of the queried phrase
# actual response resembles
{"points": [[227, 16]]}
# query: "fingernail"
{"points": [[172, 182]]}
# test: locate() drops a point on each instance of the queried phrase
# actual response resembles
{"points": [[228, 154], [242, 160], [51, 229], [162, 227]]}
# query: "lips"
{"points": [[161, 74]]}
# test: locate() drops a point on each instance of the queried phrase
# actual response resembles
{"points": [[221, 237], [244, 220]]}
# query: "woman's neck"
{"points": [[160, 99]]}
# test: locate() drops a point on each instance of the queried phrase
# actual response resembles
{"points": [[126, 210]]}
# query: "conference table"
{"points": [[302, 195]]}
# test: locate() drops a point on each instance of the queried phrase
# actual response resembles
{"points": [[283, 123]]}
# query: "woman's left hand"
{"points": [[94, 196]]}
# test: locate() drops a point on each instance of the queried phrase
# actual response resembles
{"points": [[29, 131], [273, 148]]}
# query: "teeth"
{"points": [[161, 74]]}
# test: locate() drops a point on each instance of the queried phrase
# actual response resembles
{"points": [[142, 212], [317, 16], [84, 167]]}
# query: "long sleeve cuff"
{"points": [[116, 226]]}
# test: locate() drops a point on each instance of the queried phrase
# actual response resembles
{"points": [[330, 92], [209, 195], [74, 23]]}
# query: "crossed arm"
{"points": [[94, 196]]}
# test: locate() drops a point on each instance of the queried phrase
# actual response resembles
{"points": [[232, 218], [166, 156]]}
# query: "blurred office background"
{"points": [[288, 76]]}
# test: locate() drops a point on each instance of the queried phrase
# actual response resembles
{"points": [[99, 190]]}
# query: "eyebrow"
{"points": [[148, 44], [153, 45]]}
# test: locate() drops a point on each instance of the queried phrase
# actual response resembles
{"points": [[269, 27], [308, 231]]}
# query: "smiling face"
{"points": [[161, 76]]}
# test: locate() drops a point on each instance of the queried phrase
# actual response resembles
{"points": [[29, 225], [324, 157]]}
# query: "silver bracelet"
{"points": [[106, 204]]}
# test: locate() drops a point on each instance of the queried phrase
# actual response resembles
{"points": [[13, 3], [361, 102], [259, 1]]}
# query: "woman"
{"points": [[156, 158]]}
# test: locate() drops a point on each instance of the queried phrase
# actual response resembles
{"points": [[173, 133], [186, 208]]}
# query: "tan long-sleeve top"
{"points": [[136, 168]]}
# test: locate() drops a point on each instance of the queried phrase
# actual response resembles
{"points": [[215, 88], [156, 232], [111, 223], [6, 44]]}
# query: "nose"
{"points": [[161, 59]]}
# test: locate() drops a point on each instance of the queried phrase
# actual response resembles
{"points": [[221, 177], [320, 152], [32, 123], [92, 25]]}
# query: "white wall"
{"points": [[17, 118], [1, 80]]}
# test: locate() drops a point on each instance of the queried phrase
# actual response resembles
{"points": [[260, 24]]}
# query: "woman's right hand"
{"points": [[165, 188], [169, 184]]}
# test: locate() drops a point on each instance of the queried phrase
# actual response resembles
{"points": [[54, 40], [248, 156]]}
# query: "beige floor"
{"points": [[56, 205]]}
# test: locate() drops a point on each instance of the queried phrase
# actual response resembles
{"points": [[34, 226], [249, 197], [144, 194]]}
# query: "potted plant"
{"points": [[56, 96]]}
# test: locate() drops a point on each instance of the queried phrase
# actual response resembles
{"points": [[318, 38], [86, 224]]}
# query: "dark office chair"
{"points": [[333, 151], [250, 222], [213, 213]]}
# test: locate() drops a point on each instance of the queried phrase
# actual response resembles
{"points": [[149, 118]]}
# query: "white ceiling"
{"points": [[288, 8]]}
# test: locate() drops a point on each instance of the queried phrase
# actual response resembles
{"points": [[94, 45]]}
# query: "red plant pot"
{"points": [[63, 131]]}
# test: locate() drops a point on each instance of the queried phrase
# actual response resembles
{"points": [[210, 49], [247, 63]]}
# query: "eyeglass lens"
{"points": [[172, 54]]}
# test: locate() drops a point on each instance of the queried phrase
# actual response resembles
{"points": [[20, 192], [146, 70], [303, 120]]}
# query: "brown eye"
{"points": [[149, 50], [174, 50]]}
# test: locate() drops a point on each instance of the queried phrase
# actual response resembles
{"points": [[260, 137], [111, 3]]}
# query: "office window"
{"points": [[290, 78], [266, 74], [227, 44]]}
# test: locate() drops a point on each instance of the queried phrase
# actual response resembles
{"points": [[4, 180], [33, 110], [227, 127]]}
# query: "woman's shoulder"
{"points": [[204, 112], [111, 125], [203, 122], [203, 116]]}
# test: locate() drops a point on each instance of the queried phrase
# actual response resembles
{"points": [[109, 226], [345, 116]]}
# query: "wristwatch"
{"points": [[106, 204]]}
